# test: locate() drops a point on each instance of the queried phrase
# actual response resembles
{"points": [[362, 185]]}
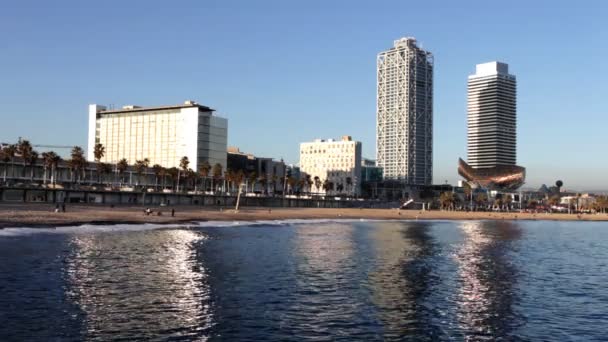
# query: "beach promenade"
{"points": [[44, 215]]}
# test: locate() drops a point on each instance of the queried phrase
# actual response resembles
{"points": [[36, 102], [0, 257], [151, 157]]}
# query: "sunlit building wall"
{"points": [[333, 160], [162, 134]]}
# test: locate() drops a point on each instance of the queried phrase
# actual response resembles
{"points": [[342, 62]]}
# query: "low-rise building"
{"points": [[336, 163]]}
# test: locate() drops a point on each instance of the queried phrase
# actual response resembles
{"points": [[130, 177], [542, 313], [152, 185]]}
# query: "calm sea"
{"points": [[299, 280]]}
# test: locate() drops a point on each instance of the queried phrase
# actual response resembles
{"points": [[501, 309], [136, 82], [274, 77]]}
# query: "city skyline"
{"points": [[324, 85]]}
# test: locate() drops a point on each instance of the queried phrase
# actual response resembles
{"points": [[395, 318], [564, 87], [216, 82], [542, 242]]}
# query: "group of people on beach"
{"points": [[149, 212]]}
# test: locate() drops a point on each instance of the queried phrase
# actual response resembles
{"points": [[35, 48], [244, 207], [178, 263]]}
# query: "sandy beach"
{"points": [[43, 215]]}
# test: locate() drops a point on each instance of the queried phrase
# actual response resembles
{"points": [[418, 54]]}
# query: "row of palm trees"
{"points": [[209, 177]]}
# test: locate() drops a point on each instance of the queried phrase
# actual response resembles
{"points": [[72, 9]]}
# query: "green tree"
{"points": [[50, 160], [216, 172], [318, 183], [554, 200], [105, 170], [349, 184], [263, 180], [158, 172], [140, 166], [121, 167], [309, 183], [77, 163], [183, 164], [204, 170], [252, 177], [98, 152], [25, 150], [33, 159], [292, 182], [447, 200], [481, 199], [173, 175], [10, 152]]}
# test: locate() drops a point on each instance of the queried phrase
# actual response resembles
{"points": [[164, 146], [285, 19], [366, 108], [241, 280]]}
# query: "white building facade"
{"points": [[491, 119], [404, 120], [162, 134], [337, 161]]}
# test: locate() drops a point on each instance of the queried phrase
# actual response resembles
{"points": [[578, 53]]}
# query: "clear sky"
{"points": [[284, 72]]}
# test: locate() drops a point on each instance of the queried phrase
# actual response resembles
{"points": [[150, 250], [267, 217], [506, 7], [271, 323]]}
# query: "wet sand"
{"points": [[43, 215]]}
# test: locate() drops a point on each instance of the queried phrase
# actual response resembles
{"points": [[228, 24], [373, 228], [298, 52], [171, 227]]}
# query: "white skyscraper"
{"points": [[491, 106], [404, 125]]}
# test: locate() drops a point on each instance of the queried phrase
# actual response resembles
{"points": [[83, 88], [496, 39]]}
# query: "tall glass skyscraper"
{"points": [[491, 106], [404, 120]]}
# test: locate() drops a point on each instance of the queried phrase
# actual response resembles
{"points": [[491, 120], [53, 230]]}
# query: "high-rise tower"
{"points": [[491, 124], [404, 121], [492, 136]]}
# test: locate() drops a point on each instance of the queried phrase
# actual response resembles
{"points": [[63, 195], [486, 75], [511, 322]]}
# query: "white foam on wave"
{"points": [[94, 228], [85, 228]]}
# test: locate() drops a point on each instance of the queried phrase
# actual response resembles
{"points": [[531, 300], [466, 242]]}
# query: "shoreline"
{"points": [[43, 215]]}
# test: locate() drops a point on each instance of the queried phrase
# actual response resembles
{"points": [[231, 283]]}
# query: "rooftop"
{"points": [[133, 108]]}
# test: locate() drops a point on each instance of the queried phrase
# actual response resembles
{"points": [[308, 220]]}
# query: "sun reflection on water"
{"points": [[129, 283], [487, 275]]}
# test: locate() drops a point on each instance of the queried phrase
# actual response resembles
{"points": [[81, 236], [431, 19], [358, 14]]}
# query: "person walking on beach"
{"points": [[63, 207], [172, 212]]}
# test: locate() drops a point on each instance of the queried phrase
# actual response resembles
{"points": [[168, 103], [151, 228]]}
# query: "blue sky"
{"points": [[284, 72]]}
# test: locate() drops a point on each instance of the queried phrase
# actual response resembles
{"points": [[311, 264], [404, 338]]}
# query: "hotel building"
{"points": [[404, 126], [491, 124], [337, 161], [162, 134]]}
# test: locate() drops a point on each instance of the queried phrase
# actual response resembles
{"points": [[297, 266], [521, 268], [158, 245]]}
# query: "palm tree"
{"points": [[140, 166], [326, 186], [190, 177], [5, 158], [447, 199], [77, 162], [349, 184], [229, 178], [10, 151], [158, 171], [121, 167], [468, 191], [239, 178], [309, 183], [204, 173], [301, 185], [32, 162], [24, 149], [105, 170], [274, 178], [554, 200], [183, 164], [163, 175], [318, 183], [98, 152], [292, 182], [252, 177], [217, 173], [508, 201], [173, 175], [48, 160], [481, 199]]}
